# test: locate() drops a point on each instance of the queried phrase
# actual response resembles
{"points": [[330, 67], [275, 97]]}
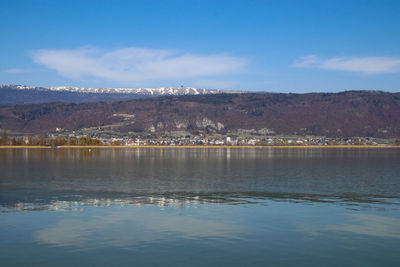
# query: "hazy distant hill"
{"points": [[21, 94], [352, 113]]}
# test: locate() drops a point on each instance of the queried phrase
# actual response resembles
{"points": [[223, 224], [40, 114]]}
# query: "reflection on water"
{"points": [[76, 202], [369, 224], [121, 223], [199, 207], [164, 176], [360, 224]]}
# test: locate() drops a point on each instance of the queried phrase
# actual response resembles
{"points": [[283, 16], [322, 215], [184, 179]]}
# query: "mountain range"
{"points": [[23, 94], [345, 114]]}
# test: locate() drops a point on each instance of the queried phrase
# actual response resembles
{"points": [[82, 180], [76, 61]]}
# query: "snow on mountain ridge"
{"points": [[145, 91]]}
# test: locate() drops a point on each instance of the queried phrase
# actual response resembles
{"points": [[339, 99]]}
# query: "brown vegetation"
{"points": [[353, 113]]}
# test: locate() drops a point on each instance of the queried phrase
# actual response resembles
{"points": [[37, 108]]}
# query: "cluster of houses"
{"points": [[239, 141], [188, 140]]}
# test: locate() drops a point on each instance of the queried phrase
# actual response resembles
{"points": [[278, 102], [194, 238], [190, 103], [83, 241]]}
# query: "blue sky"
{"points": [[281, 46]]}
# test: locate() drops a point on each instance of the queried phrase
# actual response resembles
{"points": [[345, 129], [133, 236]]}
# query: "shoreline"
{"points": [[200, 146]]}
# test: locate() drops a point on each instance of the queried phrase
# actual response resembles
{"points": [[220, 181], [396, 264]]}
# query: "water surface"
{"points": [[200, 206]]}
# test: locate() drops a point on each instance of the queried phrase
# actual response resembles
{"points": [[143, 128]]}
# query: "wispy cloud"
{"points": [[135, 65], [305, 62], [365, 65], [17, 70], [216, 83], [368, 65]]}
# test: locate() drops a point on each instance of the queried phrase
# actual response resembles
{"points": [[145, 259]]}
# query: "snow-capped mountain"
{"points": [[17, 94], [143, 91]]}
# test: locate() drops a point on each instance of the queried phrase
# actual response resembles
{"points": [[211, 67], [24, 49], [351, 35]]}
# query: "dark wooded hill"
{"points": [[351, 113]]}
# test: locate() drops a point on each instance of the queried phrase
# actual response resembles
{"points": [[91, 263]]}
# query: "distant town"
{"points": [[72, 139]]}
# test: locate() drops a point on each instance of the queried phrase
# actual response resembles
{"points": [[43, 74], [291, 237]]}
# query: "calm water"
{"points": [[200, 207]]}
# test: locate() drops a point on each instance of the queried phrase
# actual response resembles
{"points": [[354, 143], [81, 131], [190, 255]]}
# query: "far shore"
{"points": [[204, 146]]}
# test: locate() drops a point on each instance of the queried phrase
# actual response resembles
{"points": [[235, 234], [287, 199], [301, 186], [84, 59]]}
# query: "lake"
{"points": [[200, 207]]}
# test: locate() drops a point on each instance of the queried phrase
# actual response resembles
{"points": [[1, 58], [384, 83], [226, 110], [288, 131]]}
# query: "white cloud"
{"points": [[368, 65], [365, 65], [134, 65], [305, 62], [216, 83], [22, 70]]}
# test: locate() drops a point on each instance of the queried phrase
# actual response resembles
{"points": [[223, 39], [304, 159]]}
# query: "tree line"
{"points": [[41, 140]]}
